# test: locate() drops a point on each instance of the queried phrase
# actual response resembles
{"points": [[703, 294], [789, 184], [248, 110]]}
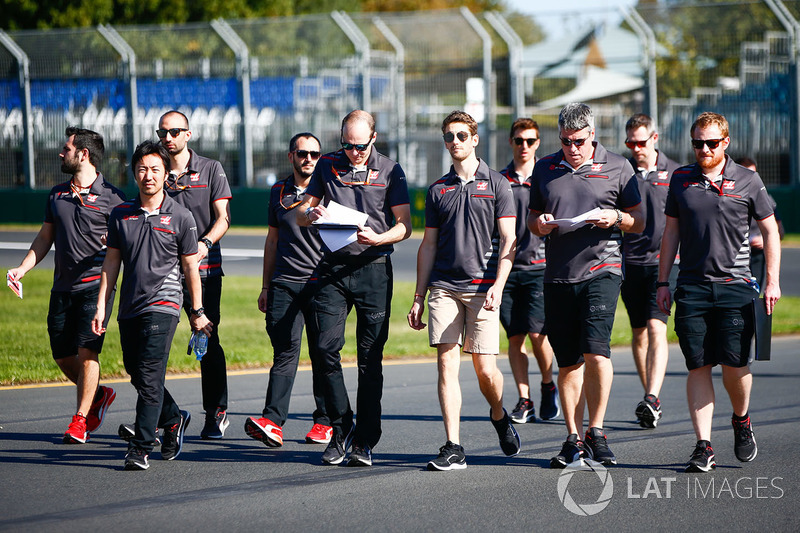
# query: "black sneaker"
{"points": [[451, 457], [648, 412], [702, 459], [136, 459], [173, 437], [572, 450], [744, 444], [509, 439], [127, 431], [337, 447], [360, 456], [548, 408], [524, 412], [595, 440], [215, 425]]}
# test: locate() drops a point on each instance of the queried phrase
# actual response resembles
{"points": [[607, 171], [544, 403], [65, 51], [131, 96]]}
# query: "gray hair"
{"points": [[575, 116]]}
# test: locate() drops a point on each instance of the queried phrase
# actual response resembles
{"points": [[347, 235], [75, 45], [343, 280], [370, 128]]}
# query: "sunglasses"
{"points": [[174, 132], [450, 136], [697, 144], [519, 140], [576, 142], [359, 147], [640, 144], [302, 154]]}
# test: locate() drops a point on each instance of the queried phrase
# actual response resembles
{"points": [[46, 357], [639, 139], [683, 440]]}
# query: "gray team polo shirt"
{"points": [[644, 248], [80, 220], [465, 215], [203, 183], [608, 183], [714, 221], [530, 248], [151, 246], [384, 188], [299, 249]]}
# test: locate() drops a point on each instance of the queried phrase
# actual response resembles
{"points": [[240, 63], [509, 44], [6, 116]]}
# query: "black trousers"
{"points": [[365, 284], [146, 340]]}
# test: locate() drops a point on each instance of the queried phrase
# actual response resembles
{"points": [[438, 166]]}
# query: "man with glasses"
{"points": [[584, 270], [709, 208], [75, 220], [522, 310], [464, 260], [291, 256], [358, 275], [640, 255]]}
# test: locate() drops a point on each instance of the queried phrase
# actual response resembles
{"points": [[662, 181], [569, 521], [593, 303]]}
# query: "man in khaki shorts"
{"points": [[464, 259]]}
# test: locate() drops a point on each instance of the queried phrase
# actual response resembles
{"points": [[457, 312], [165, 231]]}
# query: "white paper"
{"points": [[14, 284], [569, 223], [339, 214]]}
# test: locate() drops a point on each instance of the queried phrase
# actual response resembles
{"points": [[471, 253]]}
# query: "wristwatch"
{"points": [[207, 242], [619, 218], [197, 312]]}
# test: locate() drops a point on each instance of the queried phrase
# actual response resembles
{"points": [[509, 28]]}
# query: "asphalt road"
{"points": [[237, 484]]}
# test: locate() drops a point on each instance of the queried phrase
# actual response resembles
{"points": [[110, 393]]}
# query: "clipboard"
{"points": [[762, 323], [334, 226]]}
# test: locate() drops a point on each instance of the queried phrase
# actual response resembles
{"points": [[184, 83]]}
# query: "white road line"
{"points": [[226, 252]]}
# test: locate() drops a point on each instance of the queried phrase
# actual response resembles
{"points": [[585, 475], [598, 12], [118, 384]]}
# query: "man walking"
{"points": [[76, 216], [465, 257]]}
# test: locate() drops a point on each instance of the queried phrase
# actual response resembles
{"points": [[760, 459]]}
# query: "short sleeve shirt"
{"points": [[203, 183], [465, 215], [714, 221], [151, 246], [299, 248], [644, 248], [607, 182], [80, 220], [380, 188], [530, 248]]}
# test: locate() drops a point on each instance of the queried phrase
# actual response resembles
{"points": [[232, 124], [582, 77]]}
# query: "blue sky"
{"points": [[555, 16]]}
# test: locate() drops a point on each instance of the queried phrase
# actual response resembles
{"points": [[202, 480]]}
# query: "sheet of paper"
{"points": [[336, 239], [579, 220], [14, 285], [339, 214], [348, 218]]}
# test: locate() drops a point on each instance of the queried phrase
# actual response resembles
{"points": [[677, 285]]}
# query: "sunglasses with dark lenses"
{"points": [[172, 131], [519, 140], [640, 144], [359, 147], [450, 136], [302, 154], [697, 144], [576, 142]]}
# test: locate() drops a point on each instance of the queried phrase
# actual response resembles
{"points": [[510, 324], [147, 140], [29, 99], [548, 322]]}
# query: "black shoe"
{"points": [[173, 437], [451, 457], [127, 431], [648, 412], [215, 425], [702, 459], [595, 440], [572, 450], [509, 439], [360, 456], [337, 447], [136, 459], [548, 408], [744, 444], [523, 412]]}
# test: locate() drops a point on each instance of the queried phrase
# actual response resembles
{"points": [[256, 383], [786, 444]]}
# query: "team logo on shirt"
{"points": [[663, 174], [92, 198], [482, 185], [165, 220], [194, 177], [448, 189], [728, 185], [131, 217], [372, 175], [597, 166]]}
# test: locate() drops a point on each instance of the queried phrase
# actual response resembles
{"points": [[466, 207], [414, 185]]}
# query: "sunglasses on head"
{"points": [[450, 136], [697, 144], [519, 140], [576, 142], [302, 154], [359, 147], [161, 132]]}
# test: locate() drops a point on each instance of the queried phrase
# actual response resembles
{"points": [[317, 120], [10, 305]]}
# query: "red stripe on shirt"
{"points": [[602, 265], [90, 278], [167, 304]]}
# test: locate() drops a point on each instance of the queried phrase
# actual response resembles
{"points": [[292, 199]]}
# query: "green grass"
{"points": [[25, 353]]}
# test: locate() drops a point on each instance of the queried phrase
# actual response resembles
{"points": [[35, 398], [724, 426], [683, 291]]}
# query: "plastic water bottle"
{"points": [[199, 342]]}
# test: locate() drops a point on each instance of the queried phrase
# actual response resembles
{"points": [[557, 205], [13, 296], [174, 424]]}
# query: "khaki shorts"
{"points": [[459, 318]]}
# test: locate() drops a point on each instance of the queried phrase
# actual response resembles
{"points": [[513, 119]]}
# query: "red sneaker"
{"points": [[265, 430], [76, 432], [99, 407], [319, 434]]}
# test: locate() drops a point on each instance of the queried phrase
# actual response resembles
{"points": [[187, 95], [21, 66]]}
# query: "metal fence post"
{"points": [[23, 69], [481, 32], [648, 37], [361, 43], [515, 46], [400, 88]]}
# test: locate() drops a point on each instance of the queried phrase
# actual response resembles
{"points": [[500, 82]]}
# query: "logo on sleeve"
{"points": [[165, 220], [482, 185]]}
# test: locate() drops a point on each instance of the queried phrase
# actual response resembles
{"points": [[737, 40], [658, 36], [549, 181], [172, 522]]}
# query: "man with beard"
{"points": [[76, 216], [709, 208]]}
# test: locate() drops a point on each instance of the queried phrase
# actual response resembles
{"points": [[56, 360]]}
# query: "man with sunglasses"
{"points": [[201, 185], [358, 275], [76, 217], [522, 310], [464, 259], [584, 271], [709, 208], [291, 256], [640, 255]]}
